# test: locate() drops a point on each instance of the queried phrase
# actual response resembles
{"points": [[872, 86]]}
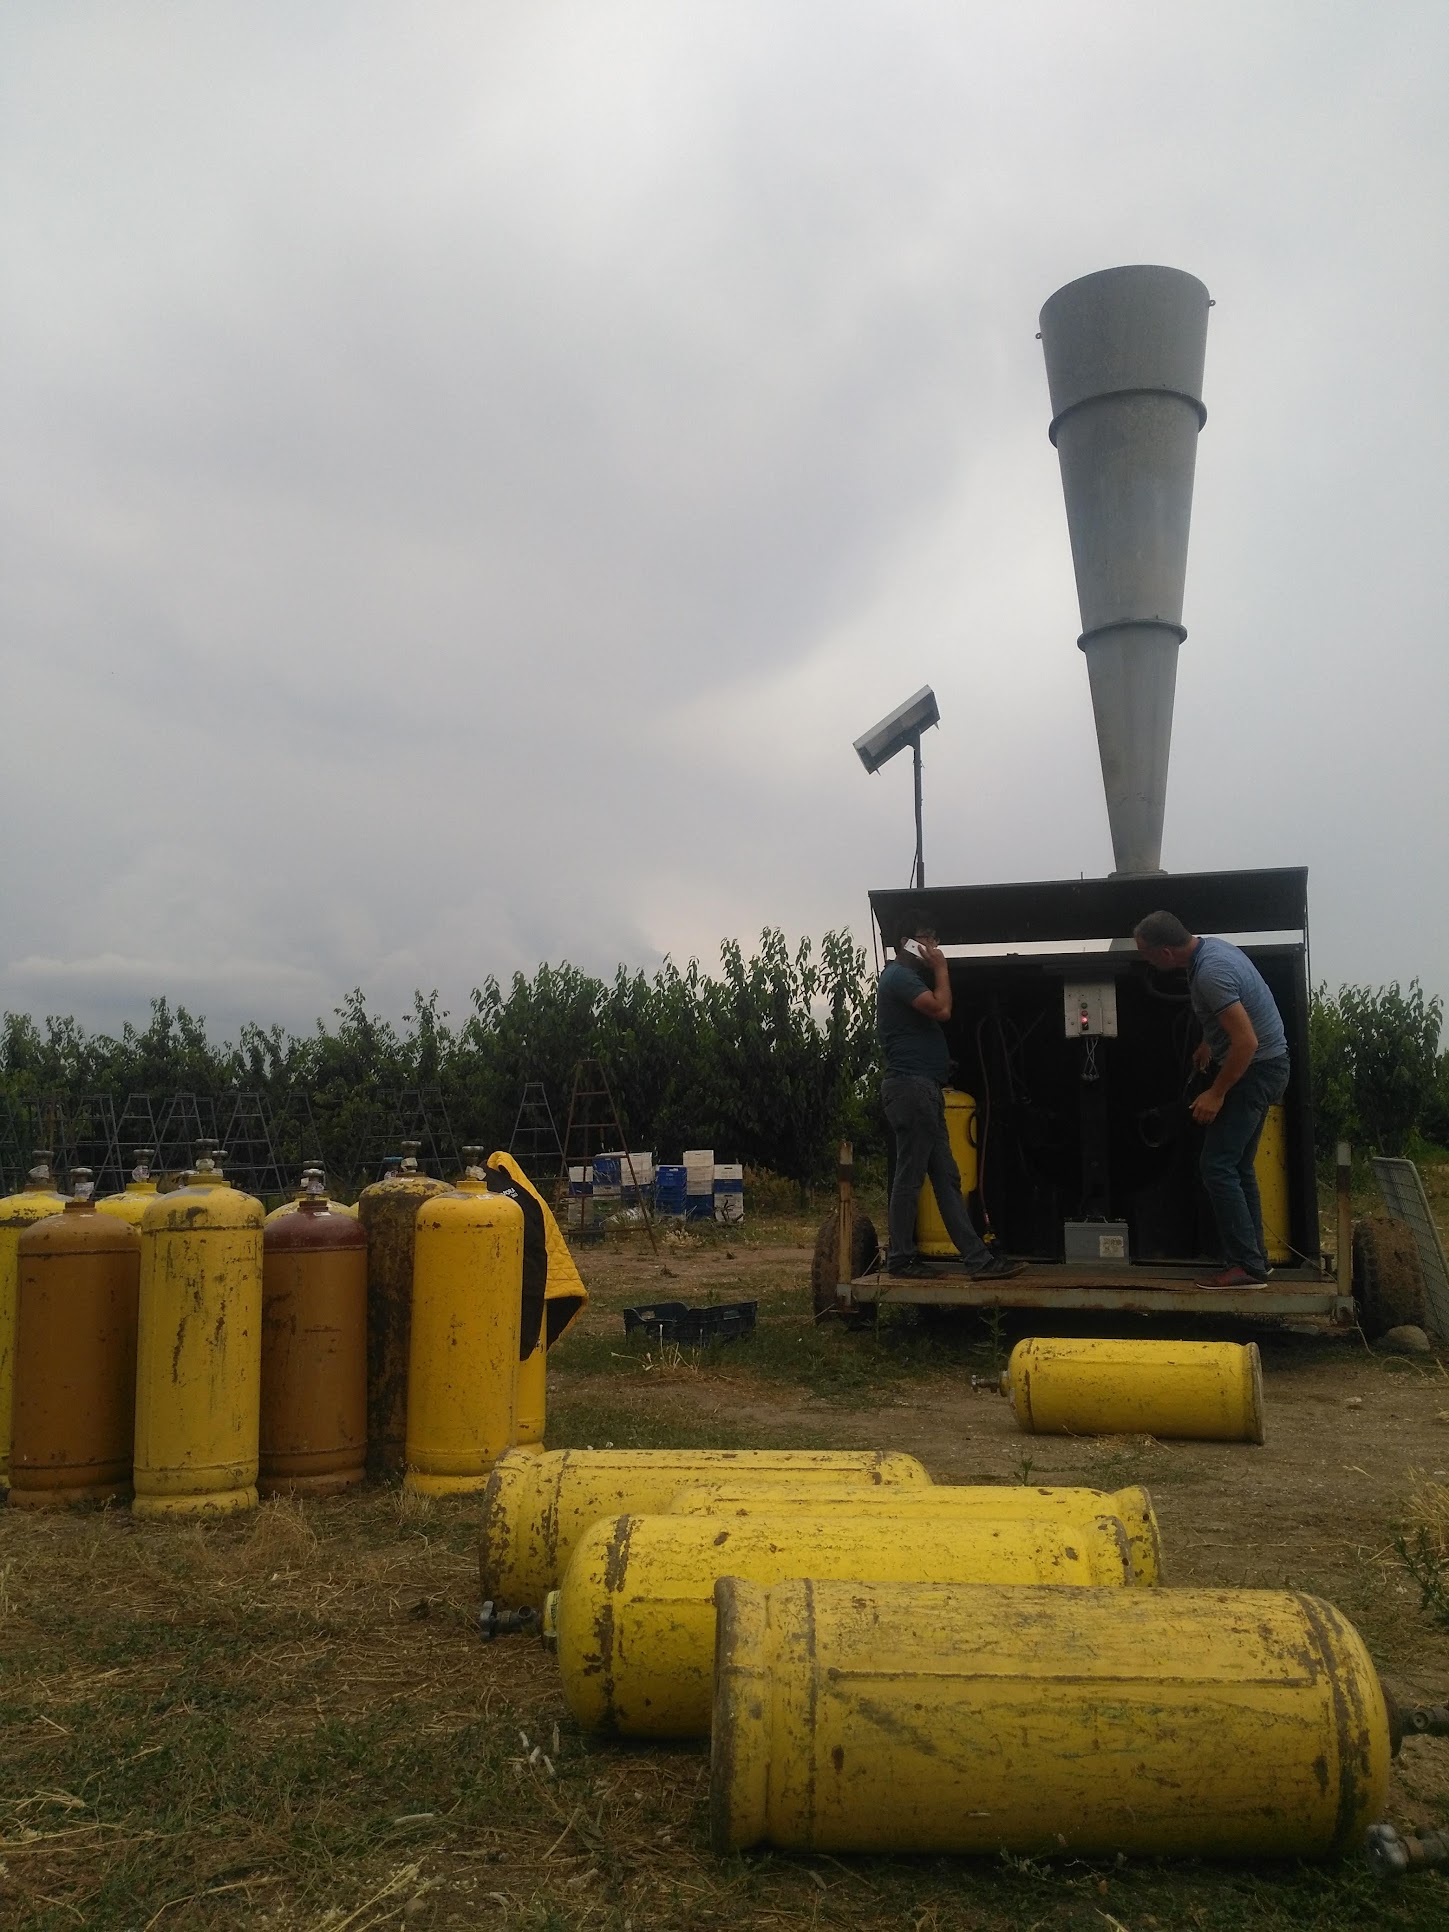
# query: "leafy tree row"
{"points": [[1379, 1077], [768, 1061]]}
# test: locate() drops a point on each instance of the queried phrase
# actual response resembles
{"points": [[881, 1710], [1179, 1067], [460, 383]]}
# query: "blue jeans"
{"points": [[1226, 1164], [917, 1115]]}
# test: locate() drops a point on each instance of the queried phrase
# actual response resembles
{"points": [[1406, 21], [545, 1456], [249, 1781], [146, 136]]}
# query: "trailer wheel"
{"points": [[1388, 1279], [825, 1266]]}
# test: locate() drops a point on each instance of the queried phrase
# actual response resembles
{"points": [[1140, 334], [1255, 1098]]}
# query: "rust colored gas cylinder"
{"points": [[199, 1347], [313, 1438], [38, 1198], [564, 1295], [387, 1212], [75, 1357], [314, 1181], [140, 1191]]}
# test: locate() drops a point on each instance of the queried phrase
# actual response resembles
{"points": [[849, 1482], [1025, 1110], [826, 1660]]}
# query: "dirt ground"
{"points": [[290, 1721]]}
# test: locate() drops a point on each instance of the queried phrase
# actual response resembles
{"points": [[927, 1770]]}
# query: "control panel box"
{"points": [[1090, 1009], [1093, 1243]]}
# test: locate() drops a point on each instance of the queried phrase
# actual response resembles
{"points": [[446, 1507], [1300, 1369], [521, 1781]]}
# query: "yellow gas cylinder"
{"points": [[464, 1350], [75, 1357], [38, 1198], [633, 1620], [1270, 1167], [966, 1502], [387, 1212], [198, 1347], [931, 1235], [536, 1507], [905, 1717], [1198, 1391], [313, 1439], [564, 1296], [138, 1194]]}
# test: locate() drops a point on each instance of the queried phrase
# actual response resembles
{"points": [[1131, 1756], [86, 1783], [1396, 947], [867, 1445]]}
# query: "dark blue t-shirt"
{"points": [[1220, 975], [911, 1042]]}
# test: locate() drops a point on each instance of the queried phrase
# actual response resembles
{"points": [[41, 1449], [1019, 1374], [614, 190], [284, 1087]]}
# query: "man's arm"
{"points": [[936, 1004], [1242, 1045]]}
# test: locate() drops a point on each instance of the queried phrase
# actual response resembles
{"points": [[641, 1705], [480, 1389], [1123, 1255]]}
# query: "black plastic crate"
{"points": [[676, 1321]]}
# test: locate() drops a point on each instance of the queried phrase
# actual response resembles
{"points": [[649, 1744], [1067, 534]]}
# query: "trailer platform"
{"points": [[1292, 1294]]}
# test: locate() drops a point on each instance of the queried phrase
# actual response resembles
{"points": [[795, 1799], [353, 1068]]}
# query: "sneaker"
{"points": [[915, 1269], [1234, 1278], [998, 1268]]}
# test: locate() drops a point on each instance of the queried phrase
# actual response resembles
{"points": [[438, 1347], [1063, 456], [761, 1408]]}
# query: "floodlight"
{"points": [[903, 727]]}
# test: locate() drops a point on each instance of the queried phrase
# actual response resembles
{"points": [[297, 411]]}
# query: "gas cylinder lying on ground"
{"points": [[924, 1718], [1198, 1391], [387, 1212], [985, 1502], [313, 1436], [38, 1199], [536, 1507], [199, 1347], [137, 1195], [634, 1619], [75, 1357], [465, 1341], [564, 1296]]}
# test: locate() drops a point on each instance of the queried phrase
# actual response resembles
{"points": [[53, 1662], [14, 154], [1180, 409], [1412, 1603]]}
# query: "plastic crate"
{"points": [[676, 1321]]}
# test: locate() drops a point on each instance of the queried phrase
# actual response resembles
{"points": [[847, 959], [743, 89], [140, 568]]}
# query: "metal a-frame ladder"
{"points": [[593, 1121]]}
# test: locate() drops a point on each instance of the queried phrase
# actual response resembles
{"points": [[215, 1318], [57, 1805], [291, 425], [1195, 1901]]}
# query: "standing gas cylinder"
{"points": [[564, 1295], [538, 1506], [908, 1717], [38, 1198], [199, 1347], [307, 1191], [634, 1623], [140, 1191], [387, 1212], [75, 1357], [1270, 1169], [313, 1439], [981, 1503], [464, 1349], [931, 1235], [1198, 1391]]}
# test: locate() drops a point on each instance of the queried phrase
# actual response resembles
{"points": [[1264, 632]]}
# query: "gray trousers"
{"points": [[917, 1114]]}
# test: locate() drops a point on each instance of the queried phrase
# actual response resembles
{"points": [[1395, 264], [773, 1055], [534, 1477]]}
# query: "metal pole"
{"points": [[920, 854]]}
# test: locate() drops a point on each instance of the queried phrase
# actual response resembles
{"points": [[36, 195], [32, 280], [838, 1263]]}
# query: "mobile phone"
{"points": [[914, 949]]}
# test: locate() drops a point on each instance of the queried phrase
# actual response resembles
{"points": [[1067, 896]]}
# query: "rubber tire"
{"points": [[825, 1264], [1388, 1280]]}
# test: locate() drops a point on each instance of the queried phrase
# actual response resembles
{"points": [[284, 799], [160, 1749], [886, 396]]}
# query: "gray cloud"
{"points": [[466, 480]]}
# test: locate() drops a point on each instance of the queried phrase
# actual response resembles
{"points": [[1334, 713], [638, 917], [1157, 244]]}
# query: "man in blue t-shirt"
{"points": [[1245, 1045], [913, 997]]}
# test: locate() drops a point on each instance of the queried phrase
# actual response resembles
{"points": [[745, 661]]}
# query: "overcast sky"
{"points": [[469, 471]]}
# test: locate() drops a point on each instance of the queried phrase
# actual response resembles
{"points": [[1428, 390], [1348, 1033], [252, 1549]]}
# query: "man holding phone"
{"points": [[913, 999]]}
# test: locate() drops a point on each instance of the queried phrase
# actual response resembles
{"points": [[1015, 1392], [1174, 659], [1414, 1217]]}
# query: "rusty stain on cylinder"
{"points": [[387, 1213], [313, 1435], [75, 1360]]}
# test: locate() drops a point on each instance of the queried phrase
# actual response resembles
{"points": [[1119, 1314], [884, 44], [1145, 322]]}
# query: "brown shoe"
{"points": [[1234, 1278]]}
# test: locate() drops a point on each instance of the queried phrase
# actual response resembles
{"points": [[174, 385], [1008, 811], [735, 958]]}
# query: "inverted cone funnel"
{"points": [[1124, 355]]}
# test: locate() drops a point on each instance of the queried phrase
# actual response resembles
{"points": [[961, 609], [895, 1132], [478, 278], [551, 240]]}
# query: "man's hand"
{"points": [[931, 952], [1207, 1107], [1202, 1056]]}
